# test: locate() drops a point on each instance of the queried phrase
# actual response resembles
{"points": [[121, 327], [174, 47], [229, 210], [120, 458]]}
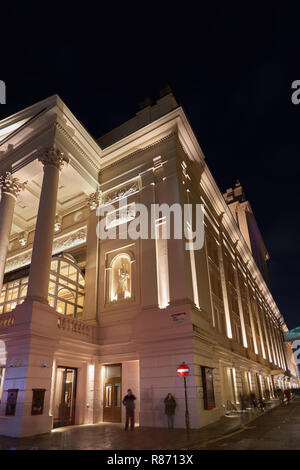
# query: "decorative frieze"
{"points": [[119, 193], [11, 185], [63, 243]]}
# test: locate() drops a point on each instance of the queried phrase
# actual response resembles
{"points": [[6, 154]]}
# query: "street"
{"points": [[277, 430]]}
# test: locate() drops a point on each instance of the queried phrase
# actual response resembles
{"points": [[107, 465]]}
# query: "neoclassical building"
{"points": [[82, 319]]}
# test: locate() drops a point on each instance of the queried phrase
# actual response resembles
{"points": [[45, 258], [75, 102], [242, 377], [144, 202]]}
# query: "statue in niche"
{"points": [[123, 290]]}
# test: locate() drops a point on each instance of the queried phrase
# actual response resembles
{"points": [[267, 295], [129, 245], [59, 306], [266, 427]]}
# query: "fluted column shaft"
{"points": [[10, 187], [39, 273]]}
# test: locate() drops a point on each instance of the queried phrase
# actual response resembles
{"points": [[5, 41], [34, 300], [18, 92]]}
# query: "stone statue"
{"points": [[123, 278]]}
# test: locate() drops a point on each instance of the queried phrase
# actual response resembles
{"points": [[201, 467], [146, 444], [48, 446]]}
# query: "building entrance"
{"points": [[65, 397], [112, 393]]}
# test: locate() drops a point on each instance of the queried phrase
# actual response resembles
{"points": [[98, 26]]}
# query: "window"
{"points": [[66, 288]]}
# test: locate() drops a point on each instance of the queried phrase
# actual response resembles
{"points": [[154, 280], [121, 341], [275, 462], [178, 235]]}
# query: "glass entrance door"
{"points": [[65, 397], [112, 393]]}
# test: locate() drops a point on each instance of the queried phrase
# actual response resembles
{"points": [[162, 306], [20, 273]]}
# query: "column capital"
{"points": [[53, 157], [11, 185], [94, 200]]}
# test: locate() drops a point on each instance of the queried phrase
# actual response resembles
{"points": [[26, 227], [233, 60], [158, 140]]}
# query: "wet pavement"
{"points": [[277, 430], [110, 436]]}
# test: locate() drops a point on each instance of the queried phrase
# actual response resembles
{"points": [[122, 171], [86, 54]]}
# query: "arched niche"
{"points": [[120, 277]]}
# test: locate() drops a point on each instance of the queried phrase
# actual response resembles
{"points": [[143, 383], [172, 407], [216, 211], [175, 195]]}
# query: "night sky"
{"points": [[229, 65]]}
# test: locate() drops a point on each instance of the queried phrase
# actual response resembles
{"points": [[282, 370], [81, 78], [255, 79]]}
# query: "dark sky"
{"points": [[230, 66]]}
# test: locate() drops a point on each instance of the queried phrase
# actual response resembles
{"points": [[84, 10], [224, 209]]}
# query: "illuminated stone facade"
{"points": [[83, 319]]}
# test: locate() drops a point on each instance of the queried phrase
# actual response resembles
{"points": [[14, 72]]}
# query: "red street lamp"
{"points": [[183, 370]]}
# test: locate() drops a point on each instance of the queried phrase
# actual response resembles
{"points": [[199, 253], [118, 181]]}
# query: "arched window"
{"points": [[120, 278], [66, 288]]}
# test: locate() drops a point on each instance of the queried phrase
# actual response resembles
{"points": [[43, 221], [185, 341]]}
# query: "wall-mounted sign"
{"points": [[208, 388], [38, 397], [11, 403], [178, 317]]}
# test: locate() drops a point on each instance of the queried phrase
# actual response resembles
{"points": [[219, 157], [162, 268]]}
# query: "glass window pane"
{"points": [[7, 307], [60, 307], [108, 390], [73, 274], [70, 309], [54, 265], [66, 294], [62, 281], [23, 291], [80, 299], [2, 296], [12, 294], [113, 371], [52, 288], [64, 269], [117, 394], [79, 313], [81, 279]]}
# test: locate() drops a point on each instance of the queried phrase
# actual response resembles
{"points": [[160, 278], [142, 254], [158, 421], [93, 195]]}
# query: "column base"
{"points": [[30, 346], [35, 298]]}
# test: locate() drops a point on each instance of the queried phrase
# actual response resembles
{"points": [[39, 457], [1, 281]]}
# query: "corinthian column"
{"points": [[39, 273], [92, 260], [10, 188]]}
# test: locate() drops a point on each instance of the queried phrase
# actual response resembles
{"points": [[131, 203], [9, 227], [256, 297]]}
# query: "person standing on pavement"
{"points": [[170, 405], [280, 395], [287, 394], [128, 402]]}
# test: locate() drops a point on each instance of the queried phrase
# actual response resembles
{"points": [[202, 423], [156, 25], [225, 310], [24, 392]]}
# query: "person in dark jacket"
{"points": [[170, 405], [128, 402]]}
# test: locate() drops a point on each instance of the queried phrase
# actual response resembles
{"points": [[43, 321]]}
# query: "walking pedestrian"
{"points": [[287, 394], [280, 395], [253, 401], [128, 402], [170, 405]]}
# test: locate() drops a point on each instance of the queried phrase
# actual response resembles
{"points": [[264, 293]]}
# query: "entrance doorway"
{"points": [[112, 393], [65, 397]]}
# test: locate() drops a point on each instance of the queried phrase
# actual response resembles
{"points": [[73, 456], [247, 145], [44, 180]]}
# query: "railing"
{"points": [[72, 325], [7, 320]]}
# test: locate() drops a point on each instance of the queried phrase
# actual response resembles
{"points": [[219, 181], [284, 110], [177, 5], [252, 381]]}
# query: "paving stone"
{"points": [[268, 429]]}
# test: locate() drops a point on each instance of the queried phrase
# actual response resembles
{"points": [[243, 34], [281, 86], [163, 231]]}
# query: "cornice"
{"points": [[62, 129], [132, 155]]}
